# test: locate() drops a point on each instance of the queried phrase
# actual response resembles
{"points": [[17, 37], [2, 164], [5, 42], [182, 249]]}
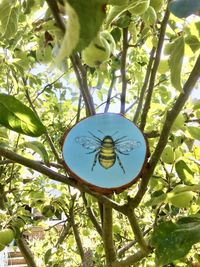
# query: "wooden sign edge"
{"points": [[98, 189]]}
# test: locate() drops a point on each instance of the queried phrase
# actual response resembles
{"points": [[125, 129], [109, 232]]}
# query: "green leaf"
{"points": [[184, 172], [47, 255], [17, 117], [8, 18], [84, 21], [175, 62], [173, 241], [38, 148], [72, 34], [193, 42], [194, 132]]}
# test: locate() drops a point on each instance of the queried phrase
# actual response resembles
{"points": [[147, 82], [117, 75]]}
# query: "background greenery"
{"points": [[147, 68]]}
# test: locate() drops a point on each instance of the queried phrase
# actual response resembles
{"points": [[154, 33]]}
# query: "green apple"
{"points": [[157, 4], [149, 16], [97, 52], [139, 7], [179, 123], [48, 211], [6, 236], [181, 200], [168, 155]]}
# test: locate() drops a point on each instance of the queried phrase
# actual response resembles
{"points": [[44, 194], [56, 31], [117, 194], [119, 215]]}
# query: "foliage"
{"points": [[149, 73]]}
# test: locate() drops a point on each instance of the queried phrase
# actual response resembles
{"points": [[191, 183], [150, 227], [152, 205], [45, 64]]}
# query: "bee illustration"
{"points": [[107, 148]]}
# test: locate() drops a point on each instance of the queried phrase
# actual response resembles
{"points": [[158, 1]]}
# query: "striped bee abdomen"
{"points": [[107, 156]]}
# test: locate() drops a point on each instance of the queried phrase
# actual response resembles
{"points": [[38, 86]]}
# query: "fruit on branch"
{"points": [[139, 6], [180, 200], [97, 52], [150, 16], [157, 4], [184, 8], [179, 123], [6, 237], [168, 155]]}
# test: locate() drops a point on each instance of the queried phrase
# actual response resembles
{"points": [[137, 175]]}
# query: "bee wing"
{"points": [[127, 146], [87, 142]]}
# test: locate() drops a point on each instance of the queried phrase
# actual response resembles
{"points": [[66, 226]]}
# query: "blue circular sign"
{"points": [[105, 151]]}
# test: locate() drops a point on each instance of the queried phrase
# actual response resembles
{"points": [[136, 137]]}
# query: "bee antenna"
{"points": [[115, 133], [101, 132]]}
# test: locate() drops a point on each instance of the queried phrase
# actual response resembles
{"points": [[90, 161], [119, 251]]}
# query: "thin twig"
{"points": [[103, 103], [130, 260], [112, 84], [122, 250], [77, 236], [136, 229], [144, 87], [131, 106], [154, 70], [81, 76], [55, 11], [64, 233], [47, 86], [92, 216], [79, 108], [123, 70]]}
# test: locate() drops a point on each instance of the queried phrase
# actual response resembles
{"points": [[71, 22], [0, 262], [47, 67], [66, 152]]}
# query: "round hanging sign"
{"points": [[107, 152]]}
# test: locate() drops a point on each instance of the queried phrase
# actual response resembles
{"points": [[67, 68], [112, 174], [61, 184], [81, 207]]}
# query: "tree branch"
{"points": [[122, 250], [65, 232], [112, 84], [91, 215], [123, 70], [154, 70], [80, 71], [108, 236], [131, 259], [57, 177], [81, 76], [26, 252], [144, 87], [136, 229], [55, 11], [79, 108], [77, 235], [170, 118]]}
